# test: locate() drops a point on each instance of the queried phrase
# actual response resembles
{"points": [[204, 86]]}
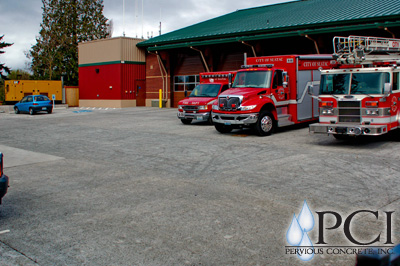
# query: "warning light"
{"points": [[327, 104], [372, 104]]}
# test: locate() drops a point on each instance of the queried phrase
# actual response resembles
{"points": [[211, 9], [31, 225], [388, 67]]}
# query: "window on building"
{"points": [[186, 83]]}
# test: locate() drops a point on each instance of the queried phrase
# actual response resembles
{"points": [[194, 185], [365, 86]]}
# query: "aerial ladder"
{"points": [[361, 50]]}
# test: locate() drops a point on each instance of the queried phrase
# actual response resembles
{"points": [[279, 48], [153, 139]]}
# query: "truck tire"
{"points": [[210, 121], [186, 121], [222, 128], [266, 124]]}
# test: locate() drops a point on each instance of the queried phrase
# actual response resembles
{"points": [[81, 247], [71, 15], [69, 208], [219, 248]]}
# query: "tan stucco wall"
{"points": [[107, 103], [110, 50]]}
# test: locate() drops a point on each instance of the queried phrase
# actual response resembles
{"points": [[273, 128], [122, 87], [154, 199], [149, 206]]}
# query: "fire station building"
{"points": [[172, 62]]}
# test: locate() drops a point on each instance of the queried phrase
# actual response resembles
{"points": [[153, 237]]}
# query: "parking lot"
{"points": [[135, 186]]}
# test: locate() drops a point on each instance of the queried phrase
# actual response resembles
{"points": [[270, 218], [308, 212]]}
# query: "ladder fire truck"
{"points": [[270, 92], [361, 96]]}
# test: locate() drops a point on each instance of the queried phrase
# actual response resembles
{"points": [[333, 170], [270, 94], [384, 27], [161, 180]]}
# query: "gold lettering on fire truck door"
{"points": [[281, 94], [394, 104]]}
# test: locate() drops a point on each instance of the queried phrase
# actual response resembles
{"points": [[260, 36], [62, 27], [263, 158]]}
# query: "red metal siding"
{"points": [[109, 82], [130, 75], [95, 82]]}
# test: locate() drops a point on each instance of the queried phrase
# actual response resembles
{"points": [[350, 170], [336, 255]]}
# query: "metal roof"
{"points": [[282, 19]]}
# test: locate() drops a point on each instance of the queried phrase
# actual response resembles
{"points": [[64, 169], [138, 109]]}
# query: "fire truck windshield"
{"points": [[354, 83], [205, 90], [253, 79]]}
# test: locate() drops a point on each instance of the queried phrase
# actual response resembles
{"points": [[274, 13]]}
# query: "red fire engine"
{"points": [[361, 96], [199, 104], [270, 92]]}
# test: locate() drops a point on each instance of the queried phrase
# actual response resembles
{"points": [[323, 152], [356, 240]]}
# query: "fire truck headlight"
{"points": [[215, 107], [327, 111], [372, 112], [203, 107], [180, 106], [248, 107]]}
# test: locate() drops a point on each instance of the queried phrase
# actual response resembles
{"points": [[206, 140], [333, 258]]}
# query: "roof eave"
{"points": [[300, 32], [149, 43]]}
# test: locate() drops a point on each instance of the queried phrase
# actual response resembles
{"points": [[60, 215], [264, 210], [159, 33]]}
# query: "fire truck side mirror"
{"points": [[230, 76], [387, 89], [285, 79]]}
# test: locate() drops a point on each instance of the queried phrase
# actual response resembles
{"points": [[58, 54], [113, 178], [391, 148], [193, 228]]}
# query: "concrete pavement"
{"points": [[137, 187]]}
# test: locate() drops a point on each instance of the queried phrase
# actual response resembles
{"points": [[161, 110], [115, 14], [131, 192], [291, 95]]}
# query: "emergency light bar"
{"points": [[216, 76], [252, 66]]}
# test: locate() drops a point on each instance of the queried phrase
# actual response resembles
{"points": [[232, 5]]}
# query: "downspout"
{"points": [[315, 42], [252, 48], [162, 70], [165, 83], [202, 57], [162, 74]]}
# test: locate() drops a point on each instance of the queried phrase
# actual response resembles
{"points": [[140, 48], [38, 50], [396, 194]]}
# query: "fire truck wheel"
{"points": [[210, 121], [222, 128], [265, 124], [186, 121]]}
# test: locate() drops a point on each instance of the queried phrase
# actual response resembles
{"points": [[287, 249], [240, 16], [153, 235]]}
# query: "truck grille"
{"points": [[190, 108], [229, 103], [349, 111]]}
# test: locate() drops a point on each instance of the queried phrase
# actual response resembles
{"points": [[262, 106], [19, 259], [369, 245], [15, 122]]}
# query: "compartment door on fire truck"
{"points": [[307, 107], [394, 101]]}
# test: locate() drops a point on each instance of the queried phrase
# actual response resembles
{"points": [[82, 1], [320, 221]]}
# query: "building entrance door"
{"points": [[140, 93]]}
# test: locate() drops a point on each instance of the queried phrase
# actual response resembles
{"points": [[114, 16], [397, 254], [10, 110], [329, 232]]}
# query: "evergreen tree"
{"points": [[3, 67], [64, 24], [19, 74]]}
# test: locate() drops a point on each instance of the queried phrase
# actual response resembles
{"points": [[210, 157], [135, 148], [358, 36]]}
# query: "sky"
{"points": [[20, 20]]}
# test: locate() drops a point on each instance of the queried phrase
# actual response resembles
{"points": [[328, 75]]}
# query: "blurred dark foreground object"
{"points": [[379, 257]]}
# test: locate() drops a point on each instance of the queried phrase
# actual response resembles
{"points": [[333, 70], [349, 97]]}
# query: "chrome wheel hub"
{"points": [[266, 123]]}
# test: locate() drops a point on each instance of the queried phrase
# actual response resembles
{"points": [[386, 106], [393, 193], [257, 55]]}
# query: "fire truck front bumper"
{"points": [[194, 116], [346, 129], [235, 119]]}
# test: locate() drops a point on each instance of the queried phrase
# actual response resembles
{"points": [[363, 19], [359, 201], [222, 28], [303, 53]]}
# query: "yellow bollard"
{"points": [[160, 99]]}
